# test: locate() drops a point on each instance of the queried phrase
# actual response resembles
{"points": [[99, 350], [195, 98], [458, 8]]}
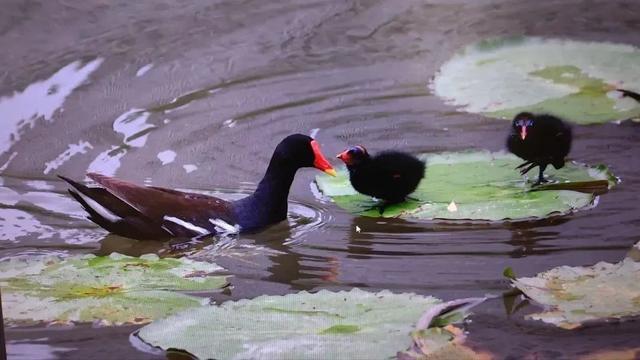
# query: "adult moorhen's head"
{"points": [[522, 124], [354, 155], [298, 151]]}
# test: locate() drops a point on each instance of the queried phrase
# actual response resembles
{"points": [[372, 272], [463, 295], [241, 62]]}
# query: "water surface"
{"points": [[196, 95]]}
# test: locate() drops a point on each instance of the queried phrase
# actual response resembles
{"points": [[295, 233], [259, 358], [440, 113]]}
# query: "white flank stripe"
{"points": [[225, 227], [103, 211], [187, 225]]}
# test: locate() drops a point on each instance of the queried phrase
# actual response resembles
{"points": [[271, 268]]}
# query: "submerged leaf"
{"points": [[576, 295], [485, 186], [571, 79], [328, 325], [447, 313], [436, 338], [508, 273], [113, 289], [446, 343]]}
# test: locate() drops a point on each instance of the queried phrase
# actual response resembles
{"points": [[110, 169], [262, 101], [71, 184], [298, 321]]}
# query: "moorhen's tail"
{"points": [[100, 201], [111, 213], [93, 214]]}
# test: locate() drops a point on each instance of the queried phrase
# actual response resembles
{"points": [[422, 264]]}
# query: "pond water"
{"points": [[195, 95]]}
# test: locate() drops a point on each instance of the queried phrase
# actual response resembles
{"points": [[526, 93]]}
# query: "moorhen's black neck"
{"points": [[268, 204]]}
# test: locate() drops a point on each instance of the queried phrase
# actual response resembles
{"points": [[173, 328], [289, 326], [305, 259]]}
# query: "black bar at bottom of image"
{"points": [[3, 344]]}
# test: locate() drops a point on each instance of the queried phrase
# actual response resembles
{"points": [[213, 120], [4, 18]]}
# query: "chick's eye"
{"points": [[529, 123]]}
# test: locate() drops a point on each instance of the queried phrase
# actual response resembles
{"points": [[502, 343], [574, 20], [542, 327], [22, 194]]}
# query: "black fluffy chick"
{"points": [[389, 175], [540, 140]]}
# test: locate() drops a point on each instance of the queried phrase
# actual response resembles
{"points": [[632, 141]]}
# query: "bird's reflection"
{"points": [[526, 237], [168, 248], [118, 244], [289, 265], [288, 262], [367, 232], [360, 244]]}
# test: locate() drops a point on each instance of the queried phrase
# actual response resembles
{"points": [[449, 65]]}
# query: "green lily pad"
{"points": [[575, 295], [115, 289], [324, 325], [571, 79], [474, 185]]}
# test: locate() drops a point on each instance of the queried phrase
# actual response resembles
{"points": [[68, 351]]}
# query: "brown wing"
{"points": [[155, 203]]}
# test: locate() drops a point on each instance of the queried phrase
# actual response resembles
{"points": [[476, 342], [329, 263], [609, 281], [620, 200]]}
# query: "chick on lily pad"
{"points": [[476, 185]]}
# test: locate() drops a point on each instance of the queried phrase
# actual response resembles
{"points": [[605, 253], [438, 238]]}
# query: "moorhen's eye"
{"points": [[529, 123]]}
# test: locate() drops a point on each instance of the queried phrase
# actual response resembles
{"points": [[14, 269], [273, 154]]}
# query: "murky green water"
{"points": [[197, 94]]}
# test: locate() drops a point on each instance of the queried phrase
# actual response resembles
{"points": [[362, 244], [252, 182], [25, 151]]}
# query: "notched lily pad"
{"points": [[328, 325], [110, 290], [436, 338], [575, 295], [476, 185], [572, 79]]}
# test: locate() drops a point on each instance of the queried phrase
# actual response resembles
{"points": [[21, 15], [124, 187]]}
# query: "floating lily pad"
{"points": [[436, 338], [571, 79], [627, 354], [324, 325], [445, 343], [575, 295], [476, 185], [115, 289]]}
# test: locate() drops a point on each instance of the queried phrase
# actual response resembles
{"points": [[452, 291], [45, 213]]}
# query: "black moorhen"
{"points": [[389, 176], [540, 140], [149, 212]]}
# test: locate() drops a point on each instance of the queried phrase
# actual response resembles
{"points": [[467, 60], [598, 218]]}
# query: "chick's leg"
{"points": [[541, 178]]}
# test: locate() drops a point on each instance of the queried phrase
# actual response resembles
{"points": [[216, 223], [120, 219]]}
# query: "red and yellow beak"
{"points": [[319, 161], [523, 132]]}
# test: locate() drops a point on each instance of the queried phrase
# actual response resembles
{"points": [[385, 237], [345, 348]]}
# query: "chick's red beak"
{"points": [[319, 161], [523, 132], [345, 157]]}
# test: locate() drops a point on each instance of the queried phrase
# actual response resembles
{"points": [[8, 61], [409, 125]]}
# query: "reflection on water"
{"points": [[73, 149], [40, 215], [220, 84], [166, 156], [15, 224], [143, 70], [40, 99], [527, 241], [135, 129], [31, 349]]}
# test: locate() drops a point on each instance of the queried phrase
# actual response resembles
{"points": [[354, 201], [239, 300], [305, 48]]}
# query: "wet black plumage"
{"points": [[389, 175], [540, 140]]}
